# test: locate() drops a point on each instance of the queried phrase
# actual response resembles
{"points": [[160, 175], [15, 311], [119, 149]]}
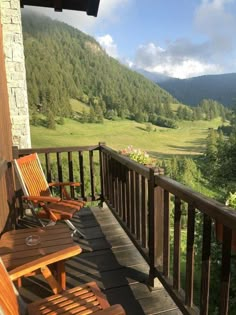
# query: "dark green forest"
{"points": [[64, 63], [192, 91]]}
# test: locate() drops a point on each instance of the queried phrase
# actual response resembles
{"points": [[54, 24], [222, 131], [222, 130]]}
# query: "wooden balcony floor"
{"points": [[110, 259]]}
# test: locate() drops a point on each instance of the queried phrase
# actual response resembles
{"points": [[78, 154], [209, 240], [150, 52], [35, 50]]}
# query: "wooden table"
{"points": [[14, 251]]}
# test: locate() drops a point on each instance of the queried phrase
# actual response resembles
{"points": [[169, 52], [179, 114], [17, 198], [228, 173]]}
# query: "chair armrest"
{"points": [[44, 261], [116, 309], [74, 184], [42, 198]]}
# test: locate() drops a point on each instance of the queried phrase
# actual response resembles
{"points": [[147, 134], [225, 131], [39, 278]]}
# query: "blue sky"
{"points": [[183, 38]]}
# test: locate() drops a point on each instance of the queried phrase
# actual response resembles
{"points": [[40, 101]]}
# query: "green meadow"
{"points": [[188, 139]]}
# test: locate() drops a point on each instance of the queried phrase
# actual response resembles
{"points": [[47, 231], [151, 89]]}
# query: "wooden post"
{"points": [[101, 161], [155, 225], [15, 152]]}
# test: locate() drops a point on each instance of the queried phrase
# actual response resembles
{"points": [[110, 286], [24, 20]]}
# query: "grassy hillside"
{"points": [[188, 139], [63, 62]]}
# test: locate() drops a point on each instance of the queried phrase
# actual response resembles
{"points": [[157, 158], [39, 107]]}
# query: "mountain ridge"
{"points": [[191, 91]]}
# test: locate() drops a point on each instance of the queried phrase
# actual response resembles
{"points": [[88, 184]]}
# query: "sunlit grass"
{"points": [[188, 139]]}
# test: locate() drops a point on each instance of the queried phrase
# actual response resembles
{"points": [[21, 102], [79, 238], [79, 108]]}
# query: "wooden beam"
{"points": [[58, 5]]}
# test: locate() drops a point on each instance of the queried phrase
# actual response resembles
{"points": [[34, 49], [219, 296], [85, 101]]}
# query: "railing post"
{"points": [[155, 224], [15, 152], [101, 162]]}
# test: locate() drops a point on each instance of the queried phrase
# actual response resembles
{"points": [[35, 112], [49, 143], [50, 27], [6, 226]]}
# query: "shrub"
{"points": [[138, 155]]}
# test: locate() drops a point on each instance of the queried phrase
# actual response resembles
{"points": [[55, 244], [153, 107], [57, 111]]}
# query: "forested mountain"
{"points": [[63, 63], [221, 88]]}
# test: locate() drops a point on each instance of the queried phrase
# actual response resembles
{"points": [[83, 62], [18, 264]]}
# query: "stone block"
{"points": [[19, 67], [18, 53], [17, 76], [17, 38], [6, 19], [12, 28], [15, 19], [8, 53], [5, 5], [15, 4], [12, 12]]}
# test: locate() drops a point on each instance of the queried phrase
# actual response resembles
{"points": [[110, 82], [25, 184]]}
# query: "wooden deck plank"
{"points": [[110, 259], [150, 302]]}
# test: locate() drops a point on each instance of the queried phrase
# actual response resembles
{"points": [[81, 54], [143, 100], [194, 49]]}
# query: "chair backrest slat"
{"points": [[31, 176], [8, 299]]}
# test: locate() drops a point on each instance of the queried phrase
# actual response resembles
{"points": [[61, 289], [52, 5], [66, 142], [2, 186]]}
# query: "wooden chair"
{"points": [[81, 300], [38, 196]]}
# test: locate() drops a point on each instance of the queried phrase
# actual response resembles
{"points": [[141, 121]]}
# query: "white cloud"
{"points": [[214, 19], [108, 44], [178, 60], [187, 68], [183, 58]]}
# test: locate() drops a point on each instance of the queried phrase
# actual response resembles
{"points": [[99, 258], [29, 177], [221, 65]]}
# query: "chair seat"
{"points": [[63, 210], [80, 300]]}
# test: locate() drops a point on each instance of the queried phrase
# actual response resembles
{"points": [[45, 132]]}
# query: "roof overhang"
{"points": [[88, 6]]}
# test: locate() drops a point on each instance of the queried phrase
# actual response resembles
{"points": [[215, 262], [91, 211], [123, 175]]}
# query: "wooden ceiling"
{"points": [[89, 6]]}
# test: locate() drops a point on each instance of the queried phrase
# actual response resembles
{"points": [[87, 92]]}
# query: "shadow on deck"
{"points": [[110, 259]]}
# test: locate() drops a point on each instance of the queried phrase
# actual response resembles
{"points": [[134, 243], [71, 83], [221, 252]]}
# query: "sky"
{"points": [[178, 38]]}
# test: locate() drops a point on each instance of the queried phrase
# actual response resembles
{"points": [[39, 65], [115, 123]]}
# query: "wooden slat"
{"points": [[81, 170], [105, 175], [128, 194], [116, 187], [190, 256], [113, 190], [225, 271], [120, 196], [177, 242], [144, 213], [138, 205], [71, 173], [124, 196], [110, 179], [151, 227], [133, 201], [91, 166], [48, 168], [102, 172], [206, 259], [166, 237], [59, 171]]}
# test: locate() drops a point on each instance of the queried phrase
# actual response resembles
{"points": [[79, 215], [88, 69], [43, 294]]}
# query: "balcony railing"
{"points": [[150, 207]]}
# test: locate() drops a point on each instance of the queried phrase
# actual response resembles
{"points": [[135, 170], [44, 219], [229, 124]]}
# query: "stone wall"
{"points": [[15, 67]]}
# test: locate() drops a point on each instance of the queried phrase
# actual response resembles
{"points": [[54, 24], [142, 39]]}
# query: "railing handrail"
{"points": [[58, 149], [207, 205], [124, 160]]}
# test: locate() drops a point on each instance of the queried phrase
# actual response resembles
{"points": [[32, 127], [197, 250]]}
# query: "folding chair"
{"points": [[38, 196], [81, 300]]}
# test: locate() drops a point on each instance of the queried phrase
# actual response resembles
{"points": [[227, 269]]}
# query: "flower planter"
{"points": [[219, 235]]}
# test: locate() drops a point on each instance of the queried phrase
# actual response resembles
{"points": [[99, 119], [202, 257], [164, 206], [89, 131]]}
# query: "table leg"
{"points": [[61, 274], [55, 286]]}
